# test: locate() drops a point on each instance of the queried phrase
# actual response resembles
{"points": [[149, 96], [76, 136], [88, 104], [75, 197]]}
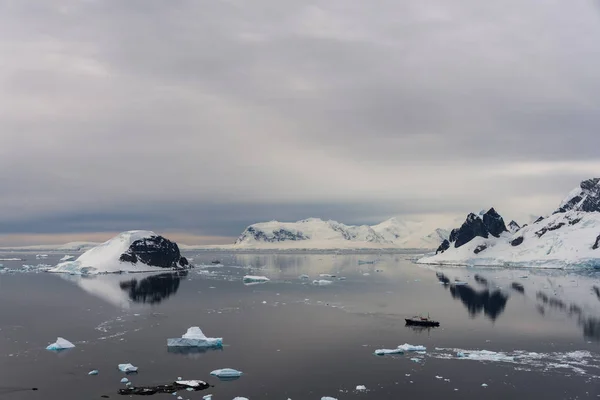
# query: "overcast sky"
{"points": [[200, 117]]}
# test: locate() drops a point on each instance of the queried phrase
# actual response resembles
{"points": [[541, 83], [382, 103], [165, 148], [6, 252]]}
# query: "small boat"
{"points": [[421, 321]]}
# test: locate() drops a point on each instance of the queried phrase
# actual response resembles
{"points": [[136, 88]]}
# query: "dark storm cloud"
{"points": [[115, 114]]}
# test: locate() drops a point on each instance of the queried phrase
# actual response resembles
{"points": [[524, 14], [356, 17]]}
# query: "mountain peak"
{"points": [[584, 198]]}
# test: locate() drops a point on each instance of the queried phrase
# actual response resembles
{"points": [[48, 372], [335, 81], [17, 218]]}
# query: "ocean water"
{"points": [[293, 339]]}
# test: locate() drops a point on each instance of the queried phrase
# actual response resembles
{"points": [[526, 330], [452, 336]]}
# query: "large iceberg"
{"points": [[60, 344], [194, 337], [132, 251]]}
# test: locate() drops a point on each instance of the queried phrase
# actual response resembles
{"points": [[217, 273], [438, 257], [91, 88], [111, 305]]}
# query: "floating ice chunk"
{"points": [[484, 355], [361, 388], [124, 380], [194, 337], [60, 344], [326, 276], [255, 279], [192, 384], [304, 277], [93, 372], [366, 274], [417, 360], [207, 397], [439, 377], [400, 349], [179, 398], [484, 385], [328, 398], [66, 258], [127, 368], [322, 282], [240, 398], [227, 373]]}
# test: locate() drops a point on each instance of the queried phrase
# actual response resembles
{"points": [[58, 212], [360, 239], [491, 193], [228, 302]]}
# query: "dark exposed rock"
{"points": [[574, 221], [493, 223], [480, 248], [513, 226], [517, 241], [596, 244], [154, 251], [184, 262], [587, 200], [538, 220], [556, 226], [470, 229], [541, 232], [443, 247], [490, 223], [168, 389], [480, 279], [596, 290]]}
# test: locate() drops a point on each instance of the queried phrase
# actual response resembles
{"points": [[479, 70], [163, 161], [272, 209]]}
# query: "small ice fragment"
{"points": [[326, 276], [361, 388], [179, 398], [93, 372], [328, 398], [194, 337], [484, 385], [417, 360], [322, 282], [66, 258], [226, 373], [128, 384], [439, 377], [342, 278], [407, 374], [191, 384], [304, 277], [207, 397], [366, 274], [255, 279], [179, 378], [264, 302], [240, 398], [401, 349], [127, 368], [60, 344], [124, 380]]}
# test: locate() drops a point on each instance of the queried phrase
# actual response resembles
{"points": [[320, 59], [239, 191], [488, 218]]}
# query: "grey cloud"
{"points": [[402, 107]]}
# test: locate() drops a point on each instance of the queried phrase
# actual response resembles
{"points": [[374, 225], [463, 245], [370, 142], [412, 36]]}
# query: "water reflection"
{"points": [[491, 303], [153, 289]]}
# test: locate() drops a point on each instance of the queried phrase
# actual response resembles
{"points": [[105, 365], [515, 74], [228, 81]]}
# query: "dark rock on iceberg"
{"points": [[540, 219], [480, 248], [167, 389], [596, 244], [517, 241], [154, 251]]}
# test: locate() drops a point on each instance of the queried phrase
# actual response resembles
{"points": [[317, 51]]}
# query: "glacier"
{"points": [[194, 337]]}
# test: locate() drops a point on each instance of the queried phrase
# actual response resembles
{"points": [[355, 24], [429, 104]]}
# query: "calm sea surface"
{"points": [[294, 339]]}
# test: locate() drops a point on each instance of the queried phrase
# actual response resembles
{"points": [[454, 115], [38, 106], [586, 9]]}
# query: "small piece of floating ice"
{"points": [[127, 368], [194, 337], [66, 258], [322, 282], [400, 349], [328, 398], [227, 373], [255, 279], [60, 344]]}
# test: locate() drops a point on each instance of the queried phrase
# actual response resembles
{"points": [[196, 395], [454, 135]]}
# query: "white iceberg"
{"points": [[127, 368], [322, 282], [207, 397], [227, 373], [400, 349], [194, 337], [124, 380], [60, 344], [255, 279]]}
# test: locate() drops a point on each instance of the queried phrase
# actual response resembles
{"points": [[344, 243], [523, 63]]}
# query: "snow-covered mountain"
{"points": [[569, 237], [67, 247], [315, 233], [132, 251]]}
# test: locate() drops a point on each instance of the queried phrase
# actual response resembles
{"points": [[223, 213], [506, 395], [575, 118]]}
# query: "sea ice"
{"points": [[322, 282], [194, 337], [127, 368], [226, 373], [60, 344], [255, 279], [400, 349]]}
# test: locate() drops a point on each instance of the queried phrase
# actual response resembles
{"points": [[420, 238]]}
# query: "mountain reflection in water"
{"points": [[152, 289]]}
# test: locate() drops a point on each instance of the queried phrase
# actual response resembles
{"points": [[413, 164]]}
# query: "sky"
{"points": [[197, 118]]}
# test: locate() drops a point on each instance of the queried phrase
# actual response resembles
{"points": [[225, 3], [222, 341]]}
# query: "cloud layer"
{"points": [[203, 116]]}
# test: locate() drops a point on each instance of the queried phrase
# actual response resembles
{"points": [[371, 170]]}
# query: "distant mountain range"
{"points": [[569, 237], [315, 233]]}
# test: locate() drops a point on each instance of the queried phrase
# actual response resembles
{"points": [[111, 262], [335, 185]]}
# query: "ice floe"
{"points": [[194, 337], [400, 349], [60, 344], [255, 279], [226, 373], [322, 282], [127, 368]]}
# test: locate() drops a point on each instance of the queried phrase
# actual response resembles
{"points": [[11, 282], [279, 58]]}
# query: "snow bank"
{"points": [[194, 337]]}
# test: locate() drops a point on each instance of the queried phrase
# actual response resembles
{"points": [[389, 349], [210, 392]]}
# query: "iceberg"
{"points": [[194, 337], [255, 279], [124, 380], [400, 349], [322, 282], [127, 368], [93, 372], [60, 344], [227, 373]]}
